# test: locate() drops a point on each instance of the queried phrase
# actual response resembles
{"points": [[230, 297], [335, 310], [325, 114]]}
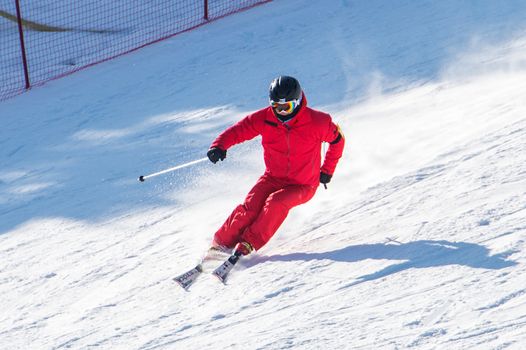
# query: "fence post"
{"points": [[22, 44], [206, 10]]}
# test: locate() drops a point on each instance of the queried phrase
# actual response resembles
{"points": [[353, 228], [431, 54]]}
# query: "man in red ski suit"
{"points": [[292, 135]]}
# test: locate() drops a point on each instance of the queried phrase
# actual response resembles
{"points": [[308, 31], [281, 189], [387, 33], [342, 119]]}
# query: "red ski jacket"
{"points": [[292, 150]]}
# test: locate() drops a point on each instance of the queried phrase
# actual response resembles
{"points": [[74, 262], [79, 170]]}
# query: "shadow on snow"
{"points": [[417, 254]]}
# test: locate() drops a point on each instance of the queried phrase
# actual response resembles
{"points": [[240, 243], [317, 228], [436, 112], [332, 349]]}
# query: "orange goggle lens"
{"points": [[287, 107]]}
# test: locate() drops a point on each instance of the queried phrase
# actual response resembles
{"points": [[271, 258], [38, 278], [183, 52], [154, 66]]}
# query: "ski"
{"points": [[224, 269], [186, 279], [206, 264]]}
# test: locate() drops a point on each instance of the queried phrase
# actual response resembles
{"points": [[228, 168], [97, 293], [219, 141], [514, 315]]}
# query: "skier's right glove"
{"points": [[215, 154]]}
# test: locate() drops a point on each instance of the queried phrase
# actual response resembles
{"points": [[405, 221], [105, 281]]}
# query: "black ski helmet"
{"points": [[284, 88]]}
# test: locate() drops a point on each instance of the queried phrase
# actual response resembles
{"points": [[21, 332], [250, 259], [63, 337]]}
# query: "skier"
{"points": [[292, 135]]}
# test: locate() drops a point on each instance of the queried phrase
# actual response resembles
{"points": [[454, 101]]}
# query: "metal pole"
{"points": [[144, 177], [206, 10], [22, 44]]}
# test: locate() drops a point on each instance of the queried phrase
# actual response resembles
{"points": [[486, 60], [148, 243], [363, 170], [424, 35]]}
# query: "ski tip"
{"points": [[178, 282], [220, 278], [185, 286]]}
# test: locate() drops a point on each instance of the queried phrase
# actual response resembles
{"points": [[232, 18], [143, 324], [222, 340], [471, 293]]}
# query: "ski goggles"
{"points": [[285, 107]]}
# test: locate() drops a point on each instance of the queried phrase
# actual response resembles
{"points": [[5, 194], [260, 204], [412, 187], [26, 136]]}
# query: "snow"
{"points": [[419, 242]]}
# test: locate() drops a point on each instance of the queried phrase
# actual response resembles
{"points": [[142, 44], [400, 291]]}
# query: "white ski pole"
{"points": [[144, 177]]}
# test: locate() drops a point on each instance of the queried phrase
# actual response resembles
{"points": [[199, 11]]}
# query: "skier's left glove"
{"points": [[325, 178]]}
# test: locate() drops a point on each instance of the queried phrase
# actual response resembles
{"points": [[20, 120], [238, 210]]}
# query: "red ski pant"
{"points": [[264, 210]]}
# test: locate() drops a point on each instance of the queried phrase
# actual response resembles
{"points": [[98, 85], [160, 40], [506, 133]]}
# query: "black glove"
{"points": [[215, 154], [325, 178]]}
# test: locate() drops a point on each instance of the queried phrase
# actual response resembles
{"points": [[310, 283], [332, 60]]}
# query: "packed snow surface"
{"points": [[419, 241]]}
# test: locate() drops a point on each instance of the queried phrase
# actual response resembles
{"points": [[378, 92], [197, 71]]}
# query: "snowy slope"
{"points": [[418, 243]]}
